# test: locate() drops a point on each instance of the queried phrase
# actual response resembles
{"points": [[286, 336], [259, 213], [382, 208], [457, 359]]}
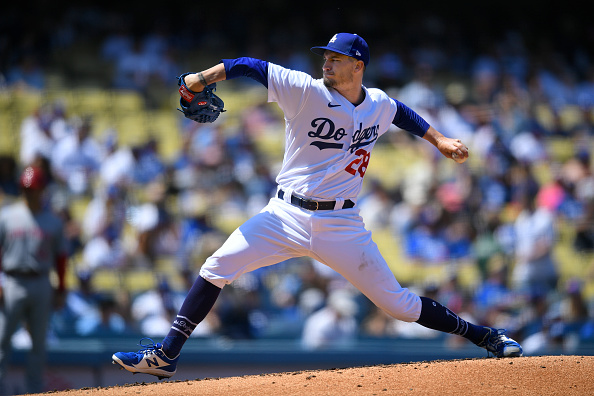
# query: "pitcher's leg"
{"points": [[352, 253], [360, 262], [261, 241]]}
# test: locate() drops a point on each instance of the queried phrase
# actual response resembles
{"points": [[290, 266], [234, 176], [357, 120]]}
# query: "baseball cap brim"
{"points": [[321, 50], [348, 44]]}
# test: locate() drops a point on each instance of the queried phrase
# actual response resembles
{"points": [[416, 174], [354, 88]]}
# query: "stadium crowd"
{"points": [[508, 97]]}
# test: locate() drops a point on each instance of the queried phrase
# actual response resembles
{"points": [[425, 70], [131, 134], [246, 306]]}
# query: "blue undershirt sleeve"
{"points": [[247, 67], [409, 120]]}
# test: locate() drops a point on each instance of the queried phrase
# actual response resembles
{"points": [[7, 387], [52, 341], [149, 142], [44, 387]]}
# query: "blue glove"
{"points": [[202, 106]]}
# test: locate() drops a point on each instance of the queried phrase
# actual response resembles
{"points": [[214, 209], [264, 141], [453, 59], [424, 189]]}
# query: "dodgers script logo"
{"points": [[364, 137], [183, 326], [326, 130], [330, 135]]}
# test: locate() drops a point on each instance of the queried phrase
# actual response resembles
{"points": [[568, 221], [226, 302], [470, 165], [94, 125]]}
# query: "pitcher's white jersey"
{"points": [[328, 140], [328, 145]]}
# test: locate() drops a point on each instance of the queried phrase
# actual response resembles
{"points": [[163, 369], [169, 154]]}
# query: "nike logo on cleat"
{"points": [[332, 105]]}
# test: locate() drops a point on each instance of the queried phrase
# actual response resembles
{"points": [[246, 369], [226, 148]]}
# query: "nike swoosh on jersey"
{"points": [[332, 105]]}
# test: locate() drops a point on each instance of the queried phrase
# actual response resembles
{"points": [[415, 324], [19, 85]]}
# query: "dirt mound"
{"points": [[537, 375]]}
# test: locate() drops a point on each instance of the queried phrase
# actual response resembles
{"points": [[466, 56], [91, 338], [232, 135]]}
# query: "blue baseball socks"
{"points": [[196, 306], [437, 317]]}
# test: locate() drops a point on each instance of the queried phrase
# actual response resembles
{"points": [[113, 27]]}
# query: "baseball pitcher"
{"points": [[332, 125]]}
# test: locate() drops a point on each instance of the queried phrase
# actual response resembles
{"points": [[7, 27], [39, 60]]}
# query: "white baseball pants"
{"points": [[337, 238]]}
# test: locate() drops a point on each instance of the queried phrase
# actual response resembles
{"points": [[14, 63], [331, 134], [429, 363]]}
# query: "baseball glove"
{"points": [[202, 106]]}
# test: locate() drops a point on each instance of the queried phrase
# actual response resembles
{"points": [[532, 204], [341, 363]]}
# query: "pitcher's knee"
{"points": [[211, 272], [405, 306]]}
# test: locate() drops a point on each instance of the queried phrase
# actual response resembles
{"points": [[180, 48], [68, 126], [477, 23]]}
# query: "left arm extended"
{"points": [[198, 101], [212, 75], [228, 69]]}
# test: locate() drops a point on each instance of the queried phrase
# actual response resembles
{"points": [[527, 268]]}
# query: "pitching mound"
{"points": [[543, 375]]}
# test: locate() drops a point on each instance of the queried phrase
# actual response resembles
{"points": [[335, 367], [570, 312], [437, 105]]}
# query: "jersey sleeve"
{"points": [[255, 69], [288, 88], [407, 119]]}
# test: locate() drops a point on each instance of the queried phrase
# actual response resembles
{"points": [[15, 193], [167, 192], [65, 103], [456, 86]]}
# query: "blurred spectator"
{"points": [[333, 326], [132, 67], [104, 321], [576, 174], [154, 309], [425, 241], [157, 233], [72, 230], [105, 251], [550, 338], [448, 116], [103, 225], [79, 302], [118, 41], [198, 237], [583, 241], [374, 204], [238, 310], [574, 310], [565, 324], [284, 314], [76, 157], [521, 181], [377, 324], [107, 210], [493, 296], [485, 246], [422, 91], [41, 130], [148, 166], [117, 167], [388, 67], [27, 74], [535, 269]]}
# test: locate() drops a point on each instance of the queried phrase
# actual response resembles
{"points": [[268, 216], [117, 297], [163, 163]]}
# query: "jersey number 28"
{"points": [[359, 165]]}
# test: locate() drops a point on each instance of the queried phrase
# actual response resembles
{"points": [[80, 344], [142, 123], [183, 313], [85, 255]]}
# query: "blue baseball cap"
{"points": [[347, 44]]}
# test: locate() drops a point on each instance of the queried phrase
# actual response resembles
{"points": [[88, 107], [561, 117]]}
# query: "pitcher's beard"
{"points": [[329, 83]]}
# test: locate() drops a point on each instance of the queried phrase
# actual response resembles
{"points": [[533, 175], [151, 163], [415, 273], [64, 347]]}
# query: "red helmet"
{"points": [[33, 177]]}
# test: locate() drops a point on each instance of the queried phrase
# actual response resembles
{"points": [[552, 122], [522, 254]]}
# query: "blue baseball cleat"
{"points": [[149, 360], [500, 345]]}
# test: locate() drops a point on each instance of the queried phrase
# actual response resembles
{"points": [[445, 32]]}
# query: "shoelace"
{"points": [[148, 348], [497, 339]]}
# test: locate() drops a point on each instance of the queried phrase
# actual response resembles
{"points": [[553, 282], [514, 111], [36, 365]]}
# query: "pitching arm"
{"points": [[410, 121], [450, 148]]}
